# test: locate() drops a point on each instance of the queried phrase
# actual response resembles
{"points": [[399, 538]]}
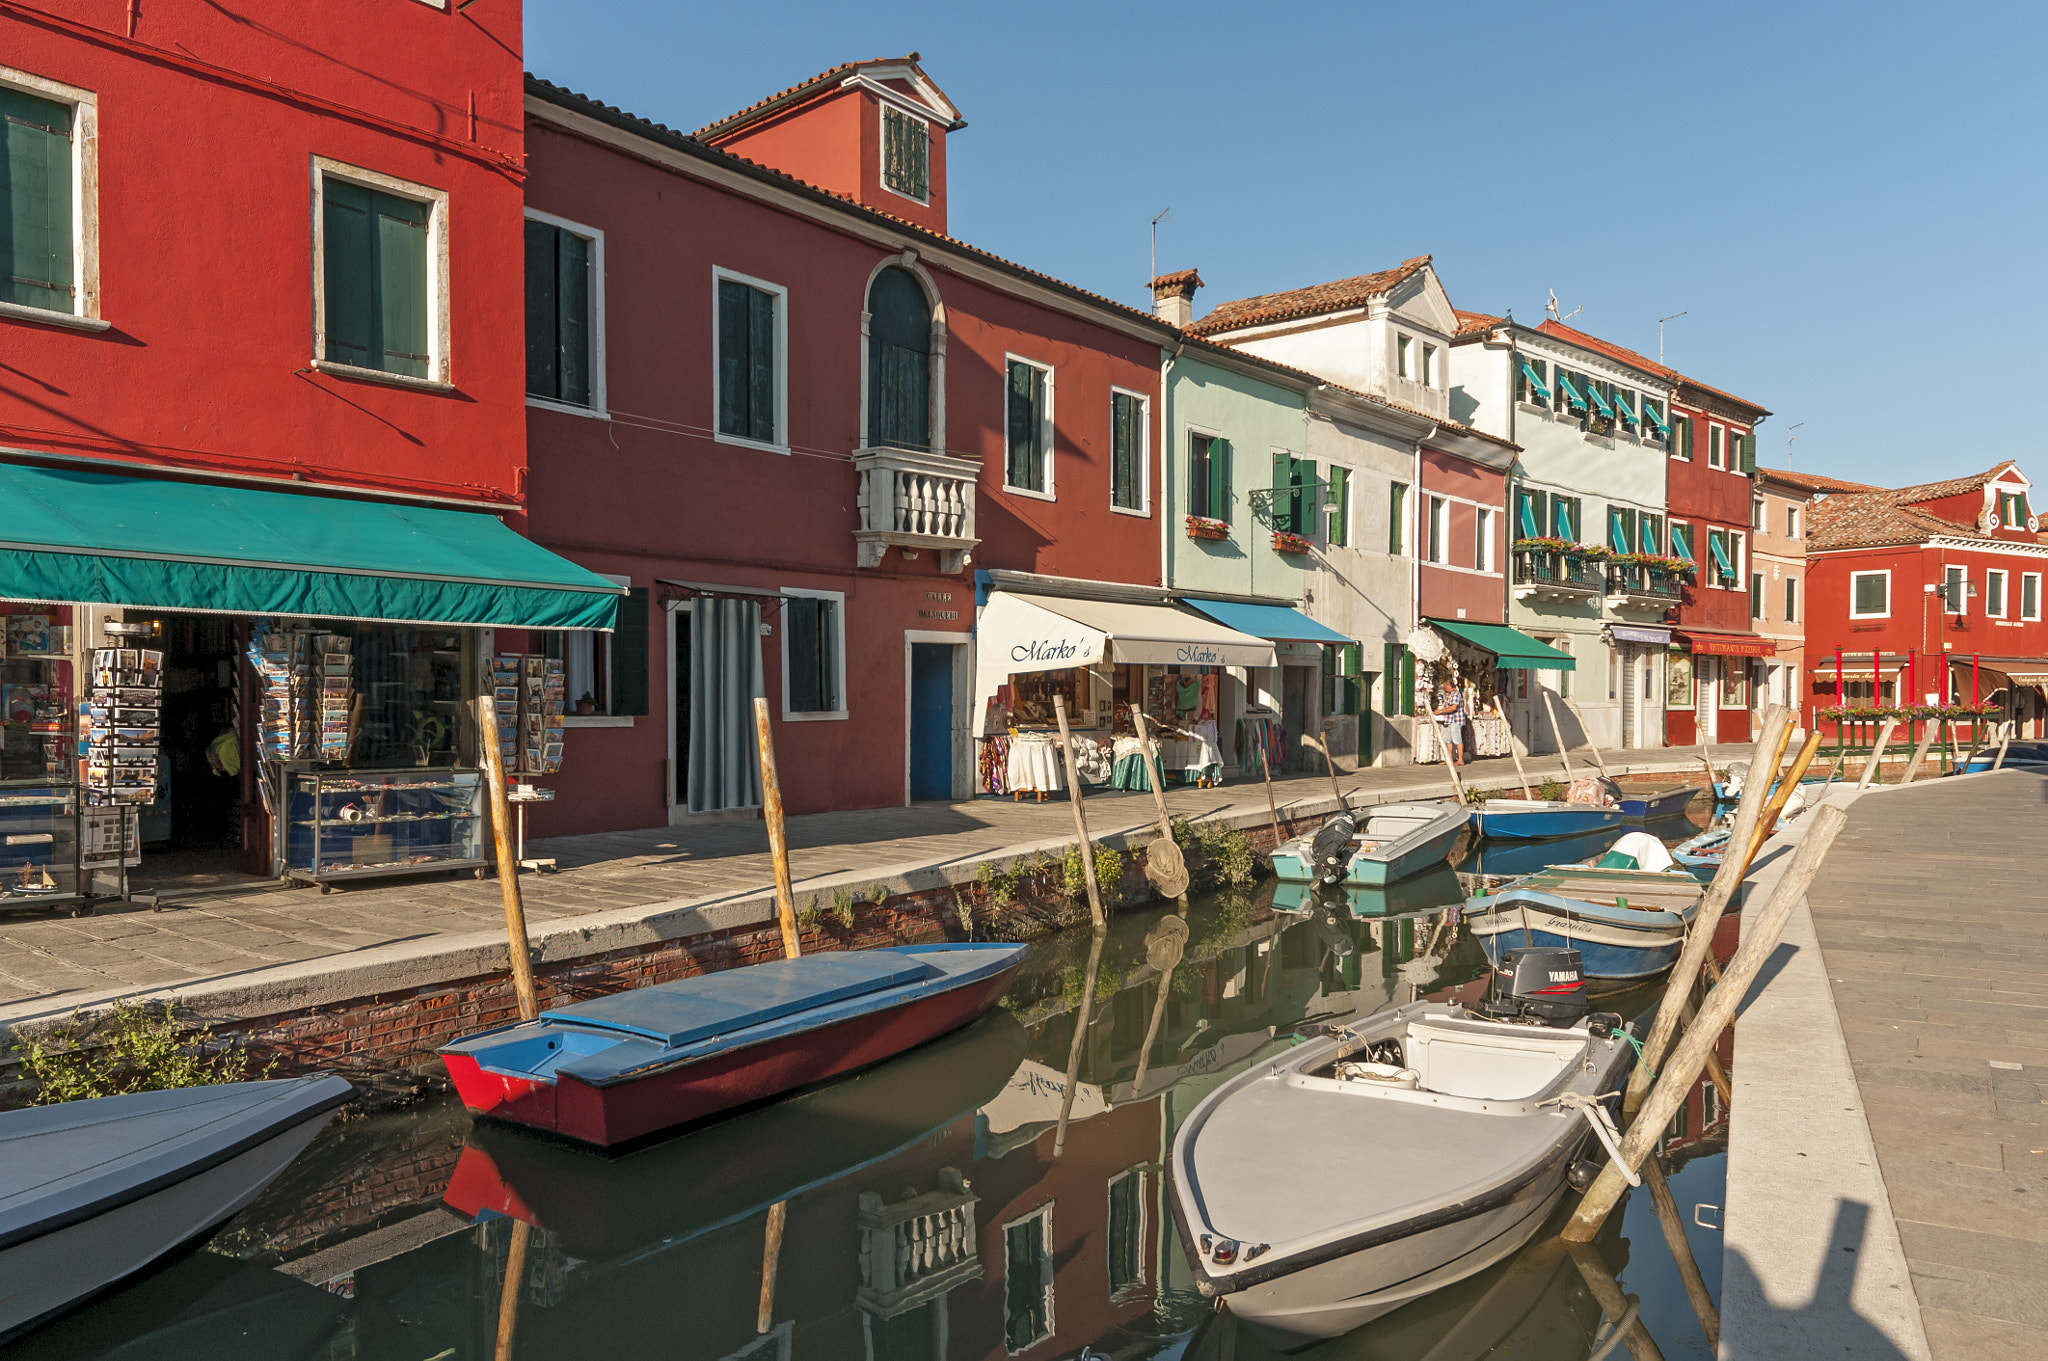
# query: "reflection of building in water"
{"points": [[912, 1253]]}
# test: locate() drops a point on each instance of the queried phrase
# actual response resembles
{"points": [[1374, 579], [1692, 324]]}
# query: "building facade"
{"points": [[1781, 520]]}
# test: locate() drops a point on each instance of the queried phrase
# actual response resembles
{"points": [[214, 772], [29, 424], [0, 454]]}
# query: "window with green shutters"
{"points": [[1294, 494], [1209, 477], [559, 330], [1532, 513], [1869, 594], [2030, 595], [1681, 437], [36, 229], [1745, 453], [1756, 595], [2012, 509], [375, 300], [1397, 697], [1681, 542], [1028, 423], [1127, 451], [1397, 516], [1994, 594], [1340, 506], [906, 154], [749, 386], [1715, 435], [813, 652], [1564, 518], [1621, 529], [1027, 1280]]}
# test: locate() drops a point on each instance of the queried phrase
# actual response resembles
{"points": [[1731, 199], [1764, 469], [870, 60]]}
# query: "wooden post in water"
{"points": [[771, 1257], [1059, 709], [1558, 734], [1513, 750], [1272, 808], [1710, 771], [515, 1273], [1884, 735], [778, 839], [1164, 865], [1920, 753], [1699, 938], [2003, 743], [1681, 1252], [1591, 746], [1059, 1138], [1606, 1292], [1715, 1073], [1674, 1083], [508, 861]]}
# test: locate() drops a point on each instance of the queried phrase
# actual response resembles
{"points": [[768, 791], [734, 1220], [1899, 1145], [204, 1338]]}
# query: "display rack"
{"points": [[369, 824], [39, 868]]}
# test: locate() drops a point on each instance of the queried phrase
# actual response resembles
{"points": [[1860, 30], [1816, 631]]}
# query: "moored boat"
{"points": [[1669, 803], [1418, 895], [1628, 924], [93, 1191], [1538, 818], [1376, 1211], [1392, 842], [632, 1065]]}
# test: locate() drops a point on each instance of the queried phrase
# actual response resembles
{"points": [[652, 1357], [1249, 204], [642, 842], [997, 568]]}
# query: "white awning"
{"points": [[1017, 633]]}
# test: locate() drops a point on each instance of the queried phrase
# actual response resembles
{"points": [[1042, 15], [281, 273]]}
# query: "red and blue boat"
{"points": [[621, 1069]]}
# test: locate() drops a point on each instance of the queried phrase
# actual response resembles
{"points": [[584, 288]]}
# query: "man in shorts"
{"points": [[1450, 717]]}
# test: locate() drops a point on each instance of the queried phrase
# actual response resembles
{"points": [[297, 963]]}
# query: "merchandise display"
{"points": [[530, 693], [283, 662], [120, 725], [357, 824], [38, 845]]}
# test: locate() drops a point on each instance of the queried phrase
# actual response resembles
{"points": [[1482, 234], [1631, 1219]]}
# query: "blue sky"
{"points": [[1846, 201]]}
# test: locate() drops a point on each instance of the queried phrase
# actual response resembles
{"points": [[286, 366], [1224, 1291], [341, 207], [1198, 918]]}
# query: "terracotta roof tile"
{"points": [[1813, 482], [1476, 323], [1571, 336], [1315, 300], [1871, 519], [1185, 278], [1955, 486]]}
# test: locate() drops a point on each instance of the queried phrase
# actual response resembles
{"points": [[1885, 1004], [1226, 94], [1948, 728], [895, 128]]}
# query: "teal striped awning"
{"points": [[1719, 548], [1567, 388], [1511, 648], [95, 538], [1541, 388]]}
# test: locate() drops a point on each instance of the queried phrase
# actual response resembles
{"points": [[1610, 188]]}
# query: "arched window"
{"points": [[899, 362]]}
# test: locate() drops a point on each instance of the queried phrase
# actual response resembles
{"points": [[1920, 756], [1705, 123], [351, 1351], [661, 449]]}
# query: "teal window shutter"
{"points": [[1624, 407], [1569, 391], [1599, 399], [1565, 514], [1681, 542], [1654, 416], [1340, 506], [1535, 381], [1617, 529], [1717, 544], [1219, 479], [629, 654], [35, 180], [1748, 444]]}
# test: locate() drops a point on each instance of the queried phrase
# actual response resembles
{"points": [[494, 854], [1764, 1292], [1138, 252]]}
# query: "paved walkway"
{"points": [[49, 964], [1932, 916]]}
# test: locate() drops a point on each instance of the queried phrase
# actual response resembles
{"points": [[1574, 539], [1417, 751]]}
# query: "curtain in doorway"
{"points": [[725, 679]]}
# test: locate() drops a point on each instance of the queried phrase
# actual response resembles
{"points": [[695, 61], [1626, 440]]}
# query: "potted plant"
{"points": [[586, 703], [1202, 527], [1286, 542], [1543, 543]]}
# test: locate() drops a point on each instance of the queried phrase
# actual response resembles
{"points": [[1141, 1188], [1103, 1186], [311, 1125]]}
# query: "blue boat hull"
{"points": [[1658, 806], [1611, 963], [1512, 859], [1536, 826]]}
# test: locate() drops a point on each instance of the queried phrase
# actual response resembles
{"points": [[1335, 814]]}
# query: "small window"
{"points": [[1027, 1280], [748, 348], [1653, 422], [906, 154], [1294, 494], [1681, 541], [1653, 533], [1994, 595], [813, 654], [1791, 522], [1735, 682], [1127, 431], [2012, 510], [1955, 590], [2030, 595], [1482, 541], [1402, 368], [1564, 518], [1029, 424], [1681, 437], [1397, 516], [1716, 446], [1430, 376], [1756, 595], [1439, 519], [42, 242], [1531, 384], [382, 249], [562, 305], [1621, 529], [1209, 477], [1756, 513], [1791, 600], [1127, 1216], [1340, 506], [1870, 595]]}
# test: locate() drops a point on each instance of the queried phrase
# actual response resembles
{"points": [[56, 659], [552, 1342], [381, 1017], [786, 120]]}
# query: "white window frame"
{"points": [[780, 445], [601, 647], [1717, 445], [85, 203], [1960, 606], [843, 712], [1482, 540], [1144, 507], [1402, 345], [438, 367], [1886, 613], [1791, 522], [1043, 1213], [1051, 490], [1432, 364], [595, 236], [2004, 610], [2035, 613], [882, 153], [1144, 1217], [1436, 531]]}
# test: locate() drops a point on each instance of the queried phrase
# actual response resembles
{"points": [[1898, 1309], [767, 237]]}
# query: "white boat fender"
{"points": [[1594, 1108], [1390, 1074]]}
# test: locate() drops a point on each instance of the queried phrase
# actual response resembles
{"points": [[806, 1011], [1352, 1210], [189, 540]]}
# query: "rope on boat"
{"points": [[1595, 1111], [1621, 1326]]}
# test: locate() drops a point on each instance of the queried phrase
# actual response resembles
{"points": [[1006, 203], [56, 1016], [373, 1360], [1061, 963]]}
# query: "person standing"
{"points": [[1450, 716]]}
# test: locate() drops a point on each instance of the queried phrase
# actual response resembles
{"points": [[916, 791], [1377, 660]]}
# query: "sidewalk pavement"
{"points": [[239, 952]]}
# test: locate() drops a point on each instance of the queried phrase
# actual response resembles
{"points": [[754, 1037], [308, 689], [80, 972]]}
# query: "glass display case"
{"points": [[360, 824], [39, 847]]}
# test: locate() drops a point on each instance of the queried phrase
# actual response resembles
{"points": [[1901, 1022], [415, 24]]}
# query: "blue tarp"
{"points": [[1276, 623]]}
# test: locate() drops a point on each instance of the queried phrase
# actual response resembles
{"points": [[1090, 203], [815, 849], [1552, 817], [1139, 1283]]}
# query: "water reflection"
{"points": [[914, 1212]]}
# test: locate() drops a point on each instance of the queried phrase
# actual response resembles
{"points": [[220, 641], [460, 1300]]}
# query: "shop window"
{"points": [[1397, 518], [1027, 1280], [899, 362], [37, 691], [1870, 595], [1028, 421], [813, 654], [1209, 477], [749, 345], [1340, 506], [1735, 683], [48, 228], [1129, 424], [1126, 1231], [564, 267], [382, 245], [1678, 681], [906, 154], [1994, 594]]}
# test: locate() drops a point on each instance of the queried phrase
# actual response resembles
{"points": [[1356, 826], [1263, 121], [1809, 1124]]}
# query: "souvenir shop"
{"points": [[1107, 659], [1283, 704], [1481, 665], [305, 708]]}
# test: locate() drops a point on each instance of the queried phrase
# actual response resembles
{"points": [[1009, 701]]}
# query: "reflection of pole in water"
{"points": [[1681, 1252], [1059, 1139], [1163, 949], [508, 1293], [1614, 1304], [771, 1256]]}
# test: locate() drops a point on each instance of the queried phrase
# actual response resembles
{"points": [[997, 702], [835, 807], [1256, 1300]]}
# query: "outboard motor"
{"points": [[1537, 983], [1331, 848]]}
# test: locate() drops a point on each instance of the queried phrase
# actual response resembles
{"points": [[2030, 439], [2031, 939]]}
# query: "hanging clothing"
{"points": [[1187, 695], [1207, 711]]}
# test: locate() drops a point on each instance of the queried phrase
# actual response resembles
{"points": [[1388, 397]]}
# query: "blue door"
{"points": [[931, 721]]}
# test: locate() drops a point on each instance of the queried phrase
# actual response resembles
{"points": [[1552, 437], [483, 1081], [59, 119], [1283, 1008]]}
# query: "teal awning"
{"points": [[1656, 418], [1624, 409], [93, 538], [1275, 623], [1566, 388], [1542, 389], [1719, 548], [1598, 400], [1681, 541], [1513, 649]]}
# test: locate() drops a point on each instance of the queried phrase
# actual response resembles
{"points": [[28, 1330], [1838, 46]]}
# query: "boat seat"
{"points": [[1461, 1061]]}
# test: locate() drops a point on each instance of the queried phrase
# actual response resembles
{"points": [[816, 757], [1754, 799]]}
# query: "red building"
{"points": [[769, 394], [1467, 583], [1930, 594]]}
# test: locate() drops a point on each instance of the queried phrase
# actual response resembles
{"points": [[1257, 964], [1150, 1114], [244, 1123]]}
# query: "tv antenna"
{"points": [[1156, 219], [1552, 306], [1660, 333], [1790, 440]]}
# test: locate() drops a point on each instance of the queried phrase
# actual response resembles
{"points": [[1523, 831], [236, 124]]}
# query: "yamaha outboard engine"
{"points": [[1537, 983], [1331, 848]]}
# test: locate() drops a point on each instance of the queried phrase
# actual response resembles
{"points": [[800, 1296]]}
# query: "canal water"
{"points": [[922, 1210]]}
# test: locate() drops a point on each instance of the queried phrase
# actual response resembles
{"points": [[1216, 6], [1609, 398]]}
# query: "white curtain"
{"points": [[725, 679]]}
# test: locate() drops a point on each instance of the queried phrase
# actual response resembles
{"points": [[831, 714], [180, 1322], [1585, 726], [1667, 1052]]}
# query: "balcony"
{"points": [[1547, 574], [916, 1250], [913, 500], [1643, 585]]}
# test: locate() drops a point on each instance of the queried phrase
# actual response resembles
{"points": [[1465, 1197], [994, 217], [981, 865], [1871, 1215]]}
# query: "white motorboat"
{"points": [[1421, 1145], [93, 1191]]}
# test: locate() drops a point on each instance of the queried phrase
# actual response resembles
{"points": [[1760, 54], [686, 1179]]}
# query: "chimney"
{"points": [[1173, 296]]}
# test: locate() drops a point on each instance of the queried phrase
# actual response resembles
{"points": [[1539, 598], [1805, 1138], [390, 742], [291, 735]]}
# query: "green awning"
{"points": [[1566, 388], [1513, 649], [93, 538], [1719, 548], [1536, 384], [1656, 418]]}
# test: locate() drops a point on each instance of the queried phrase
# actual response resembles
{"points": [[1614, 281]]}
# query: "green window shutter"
{"points": [[1407, 683], [1390, 679], [401, 315], [349, 274], [1748, 453], [1286, 500], [1397, 498], [1026, 423], [1127, 440], [1198, 475], [803, 621], [1219, 479], [543, 338], [761, 365], [572, 290], [629, 654], [1340, 506], [35, 177], [732, 358]]}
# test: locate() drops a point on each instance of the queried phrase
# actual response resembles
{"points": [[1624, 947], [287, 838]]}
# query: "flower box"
{"points": [[1202, 527], [1284, 542], [1545, 544]]}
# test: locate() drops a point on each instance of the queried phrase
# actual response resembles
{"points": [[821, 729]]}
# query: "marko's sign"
{"points": [[1045, 650]]}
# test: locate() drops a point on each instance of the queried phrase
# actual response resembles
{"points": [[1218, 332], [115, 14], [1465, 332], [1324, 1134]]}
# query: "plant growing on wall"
{"points": [[135, 1047]]}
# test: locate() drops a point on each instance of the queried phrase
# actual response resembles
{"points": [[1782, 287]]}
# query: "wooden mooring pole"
{"points": [[1059, 708], [1788, 784], [1920, 753], [1681, 1252], [1884, 735], [515, 1270], [1557, 734], [1513, 750], [1165, 866], [1674, 1083], [1591, 745], [778, 839], [1606, 1292], [508, 861]]}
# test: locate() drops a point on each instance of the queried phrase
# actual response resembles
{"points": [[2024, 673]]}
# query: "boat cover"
{"points": [[691, 1009]]}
